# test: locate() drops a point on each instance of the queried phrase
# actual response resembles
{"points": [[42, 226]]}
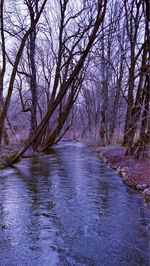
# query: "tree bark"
{"points": [[143, 145], [137, 108], [132, 23], [33, 85]]}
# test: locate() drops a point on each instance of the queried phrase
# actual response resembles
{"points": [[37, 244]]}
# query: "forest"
{"points": [[75, 70], [74, 132]]}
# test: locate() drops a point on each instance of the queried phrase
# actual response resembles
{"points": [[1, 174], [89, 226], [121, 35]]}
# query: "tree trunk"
{"points": [[116, 104], [33, 85], [133, 17], [104, 107], [143, 145], [136, 111], [129, 120], [103, 127]]}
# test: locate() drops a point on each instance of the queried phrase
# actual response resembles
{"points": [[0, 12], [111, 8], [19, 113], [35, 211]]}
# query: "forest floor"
{"points": [[135, 173]]}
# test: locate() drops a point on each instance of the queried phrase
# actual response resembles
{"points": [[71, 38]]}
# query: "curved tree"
{"points": [[70, 65]]}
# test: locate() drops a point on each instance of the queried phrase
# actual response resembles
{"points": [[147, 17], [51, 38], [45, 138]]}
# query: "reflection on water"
{"points": [[69, 208]]}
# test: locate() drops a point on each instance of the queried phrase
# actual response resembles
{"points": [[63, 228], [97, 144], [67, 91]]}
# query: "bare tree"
{"points": [[71, 62], [134, 15], [3, 54], [18, 55], [33, 11], [143, 145]]}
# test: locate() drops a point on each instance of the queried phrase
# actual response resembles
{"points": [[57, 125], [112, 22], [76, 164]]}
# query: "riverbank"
{"points": [[6, 152], [134, 173]]}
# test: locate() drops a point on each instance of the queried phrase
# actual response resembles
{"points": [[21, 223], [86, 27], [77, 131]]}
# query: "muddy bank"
{"points": [[135, 173], [6, 152]]}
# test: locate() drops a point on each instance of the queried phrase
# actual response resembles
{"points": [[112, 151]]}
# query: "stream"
{"points": [[67, 207]]}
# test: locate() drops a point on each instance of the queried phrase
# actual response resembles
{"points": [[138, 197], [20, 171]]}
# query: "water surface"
{"points": [[69, 208]]}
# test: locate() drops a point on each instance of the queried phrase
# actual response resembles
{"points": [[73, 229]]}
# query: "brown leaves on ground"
{"points": [[135, 173]]}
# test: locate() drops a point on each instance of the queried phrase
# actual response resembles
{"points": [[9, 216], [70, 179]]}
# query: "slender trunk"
{"points": [[1, 92], [33, 85], [3, 66], [129, 121], [103, 127], [136, 111], [104, 70], [143, 145], [116, 103], [132, 24]]}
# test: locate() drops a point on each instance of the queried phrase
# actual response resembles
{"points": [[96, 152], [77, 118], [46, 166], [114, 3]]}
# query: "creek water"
{"points": [[67, 207]]}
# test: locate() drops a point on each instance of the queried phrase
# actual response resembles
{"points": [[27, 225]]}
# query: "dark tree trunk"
{"points": [[104, 107], [116, 104], [133, 18], [137, 108], [143, 145], [33, 10], [3, 67], [103, 127], [129, 121], [1, 92], [33, 85]]}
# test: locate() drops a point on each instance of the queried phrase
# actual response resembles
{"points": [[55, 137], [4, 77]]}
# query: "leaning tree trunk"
{"points": [[3, 62], [66, 84]]}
